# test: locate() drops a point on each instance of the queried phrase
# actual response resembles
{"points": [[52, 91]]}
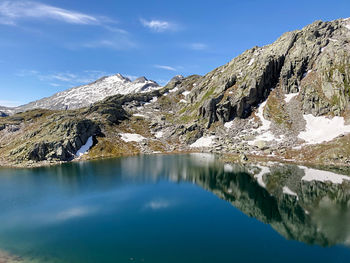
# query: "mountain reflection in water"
{"points": [[314, 212], [47, 205]]}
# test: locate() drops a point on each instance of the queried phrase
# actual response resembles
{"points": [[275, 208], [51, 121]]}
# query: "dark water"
{"points": [[185, 208]]}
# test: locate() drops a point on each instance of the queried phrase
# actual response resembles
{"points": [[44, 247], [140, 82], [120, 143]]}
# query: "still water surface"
{"points": [[170, 208]]}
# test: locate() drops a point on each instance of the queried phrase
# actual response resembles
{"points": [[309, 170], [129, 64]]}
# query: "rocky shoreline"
{"points": [[6, 257]]}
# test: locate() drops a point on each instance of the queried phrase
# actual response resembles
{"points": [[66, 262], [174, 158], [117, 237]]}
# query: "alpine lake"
{"points": [[173, 208]]}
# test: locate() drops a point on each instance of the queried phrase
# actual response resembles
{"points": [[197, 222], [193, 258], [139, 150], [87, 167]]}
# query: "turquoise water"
{"points": [[165, 208]]}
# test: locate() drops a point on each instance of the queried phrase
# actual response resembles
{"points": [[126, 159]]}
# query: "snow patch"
{"points": [[203, 142], [159, 134], [322, 49], [138, 115], [265, 134], [228, 168], [251, 61], [174, 89], [228, 125], [290, 96], [347, 25], [259, 176], [265, 123], [321, 129], [322, 176], [183, 101], [287, 191], [131, 137], [85, 148], [154, 99], [185, 93], [333, 40]]}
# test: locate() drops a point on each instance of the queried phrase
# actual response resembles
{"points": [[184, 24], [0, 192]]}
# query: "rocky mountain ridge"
{"points": [[288, 101], [86, 95]]}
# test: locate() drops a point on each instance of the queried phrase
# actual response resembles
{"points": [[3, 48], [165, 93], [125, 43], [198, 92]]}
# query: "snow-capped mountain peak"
{"points": [[85, 95]]}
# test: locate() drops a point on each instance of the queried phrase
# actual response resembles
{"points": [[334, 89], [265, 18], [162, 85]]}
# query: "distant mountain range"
{"points": [[85, 95]]}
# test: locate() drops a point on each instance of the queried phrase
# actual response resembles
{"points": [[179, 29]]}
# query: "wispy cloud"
{"points": [[13, 11], [157, 204], [159, 25], [131, 77], [74, 212], [120, 43], [64, 79], [55, 84], [165, 67], [197, 46]]}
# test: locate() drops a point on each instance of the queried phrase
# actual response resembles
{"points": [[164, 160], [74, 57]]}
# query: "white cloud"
{"points": [[198, 46], [116, 30], [120, 43], [13, 11], [158, 25], [10, 103], [64, 79], [165, 67], [55, 85], [75, 212], [157, 204], [131, 77]]}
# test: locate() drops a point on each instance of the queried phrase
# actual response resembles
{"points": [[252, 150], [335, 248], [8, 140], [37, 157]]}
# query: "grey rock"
{"points": [[243, 157]]}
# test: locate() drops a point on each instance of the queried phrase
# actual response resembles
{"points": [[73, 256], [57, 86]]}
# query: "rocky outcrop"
{"points": [[314, 61], [66, 139]]}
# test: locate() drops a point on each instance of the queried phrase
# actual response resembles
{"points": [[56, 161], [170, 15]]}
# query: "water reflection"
{"points": [[310, 211]]}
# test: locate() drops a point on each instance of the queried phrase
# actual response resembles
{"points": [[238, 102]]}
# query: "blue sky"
{"points": [[48, 46]]}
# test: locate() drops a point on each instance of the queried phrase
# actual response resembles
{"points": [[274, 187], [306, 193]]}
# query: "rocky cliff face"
{"points": [[313, 61], [272, 98]]}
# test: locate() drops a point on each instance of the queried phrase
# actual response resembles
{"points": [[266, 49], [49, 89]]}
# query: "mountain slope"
{"points": [[287, 101], [83, 96], [291, 93]]}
